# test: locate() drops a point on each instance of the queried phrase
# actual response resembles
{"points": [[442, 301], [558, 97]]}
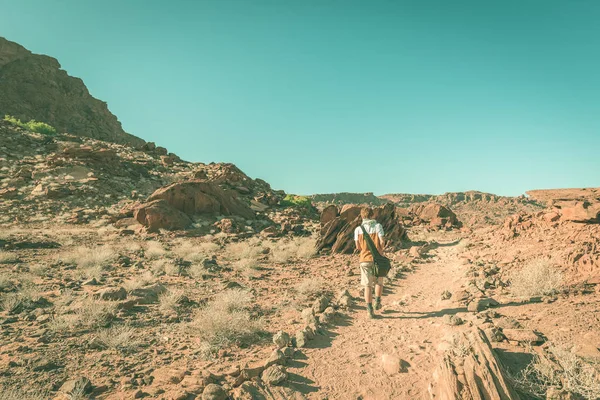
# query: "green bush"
{"points": [[292, 200], [32, 125]]}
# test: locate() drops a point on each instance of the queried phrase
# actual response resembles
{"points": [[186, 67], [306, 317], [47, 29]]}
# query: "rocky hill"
{"points": [[70, 179], [348, 198], [35, 87]]}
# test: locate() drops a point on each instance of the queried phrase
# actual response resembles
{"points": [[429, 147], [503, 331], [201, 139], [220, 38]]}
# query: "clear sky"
{"points": [[339, 95]]}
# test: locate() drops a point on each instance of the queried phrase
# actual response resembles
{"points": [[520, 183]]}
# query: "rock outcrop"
{"points": [[202, 197], [34, 86], [337, 233], [436, 214]]}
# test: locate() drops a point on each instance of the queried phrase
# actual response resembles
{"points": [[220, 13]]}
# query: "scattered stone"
{"points": [[301, 339], [478, 305], [446, 295], [213, 391], [274, 375], [452, 320], [392, 364], [308, 316], [522, 336], [494, 334], [149, 294], [281, 339], [320, 304], [112, 293], [77, 385], [327, 316], [276, 358]]}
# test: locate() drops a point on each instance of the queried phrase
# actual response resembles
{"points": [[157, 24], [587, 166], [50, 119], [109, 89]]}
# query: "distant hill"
{"points": [[34, 86], [348, 198]]}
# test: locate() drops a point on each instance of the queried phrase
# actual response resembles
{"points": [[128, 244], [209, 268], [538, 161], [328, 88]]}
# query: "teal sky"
{"points": [[338, 95]]}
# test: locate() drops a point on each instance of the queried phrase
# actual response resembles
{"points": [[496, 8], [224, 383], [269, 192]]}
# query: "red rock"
{"points": [[202, 197], [350, 212], [581, 211], [329, 213], [158, 214]]}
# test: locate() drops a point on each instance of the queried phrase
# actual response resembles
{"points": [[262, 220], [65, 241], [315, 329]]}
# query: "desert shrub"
{"points": [[8, 258], [118, 338], [158, 267], [139, 281], [537, 278], [297, 248], [5, 281], [195, 251], [292, 200], [225, 321], [169, 300], [11, 302], [565, 370], [248, 249], [88, 313], [92, 261], [23, 299], [310, 288], [38, 269], [8, 393], [94, 313], [32, 125], [154, 250], [246, 264]]}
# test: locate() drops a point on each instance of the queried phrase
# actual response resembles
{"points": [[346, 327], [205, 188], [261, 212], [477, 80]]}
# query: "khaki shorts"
{"points": [[366, 275]]}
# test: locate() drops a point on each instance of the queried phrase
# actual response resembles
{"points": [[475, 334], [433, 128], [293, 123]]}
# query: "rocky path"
{"points": [[393, 356]]}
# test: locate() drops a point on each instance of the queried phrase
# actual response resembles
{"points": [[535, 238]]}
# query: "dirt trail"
{"points": [[347, 362]]}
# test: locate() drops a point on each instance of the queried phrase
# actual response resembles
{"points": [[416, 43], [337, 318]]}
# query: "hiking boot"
{"points": [[370, 311], [377, 303]]}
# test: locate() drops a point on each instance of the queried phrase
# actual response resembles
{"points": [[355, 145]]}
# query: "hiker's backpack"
{"points": [[381, 264]]}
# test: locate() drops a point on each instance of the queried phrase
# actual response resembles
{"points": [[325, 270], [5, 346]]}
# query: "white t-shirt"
{"points": [[371, 226]]}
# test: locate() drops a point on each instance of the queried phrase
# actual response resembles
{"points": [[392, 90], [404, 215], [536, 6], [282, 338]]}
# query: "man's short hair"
{"points": [[366, 212]]}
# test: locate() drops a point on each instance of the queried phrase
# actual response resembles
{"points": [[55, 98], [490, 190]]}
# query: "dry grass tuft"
{"points": [[11, 303], [22, 394], [248, 249], [8, 258], [118, 338], [225, 321], [310, 288], [5, 281], [195, 251], [154, 250], [566, 371], [169, 300], [89, 257], [297, 248], [538, 278], [139, 281], [87, 313]]}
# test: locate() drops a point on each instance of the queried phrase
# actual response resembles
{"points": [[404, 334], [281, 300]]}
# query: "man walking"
{"points": [[367, 279]]}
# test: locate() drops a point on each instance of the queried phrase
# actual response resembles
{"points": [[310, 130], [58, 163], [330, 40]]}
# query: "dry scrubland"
{"points": [[122, 312]]}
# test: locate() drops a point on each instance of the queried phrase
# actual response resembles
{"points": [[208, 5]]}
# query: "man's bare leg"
{"points": [[378, 292], [368, 295], [369, 300]]}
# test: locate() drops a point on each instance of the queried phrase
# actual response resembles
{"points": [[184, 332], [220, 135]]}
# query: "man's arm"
{"points": [[379, 231], [356, 241]]}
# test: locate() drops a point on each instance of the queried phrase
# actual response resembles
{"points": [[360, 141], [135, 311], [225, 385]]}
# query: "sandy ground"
{"points": [[348, 362]]}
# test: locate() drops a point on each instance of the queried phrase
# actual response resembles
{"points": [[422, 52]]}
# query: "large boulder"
{"points": [[202, 197], [158, 214], [329, 213]]}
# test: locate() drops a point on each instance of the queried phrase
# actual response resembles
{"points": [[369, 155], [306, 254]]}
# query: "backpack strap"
{"points": [[370, 244]]}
